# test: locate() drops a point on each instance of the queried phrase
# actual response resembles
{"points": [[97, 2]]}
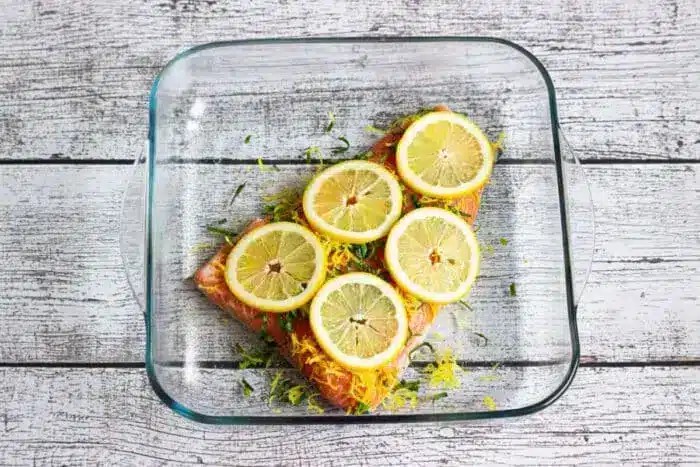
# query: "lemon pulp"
{"points": [[277, 267], [354, 201], [359, 320]]}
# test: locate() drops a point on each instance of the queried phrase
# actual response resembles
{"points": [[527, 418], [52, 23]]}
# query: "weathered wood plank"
{"points": [[90, 64], [609, 415], [65, 296]]}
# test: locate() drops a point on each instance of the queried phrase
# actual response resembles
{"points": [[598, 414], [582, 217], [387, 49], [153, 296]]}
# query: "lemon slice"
{"points": [[359, 320], [445, 155], [354, 201], [277, 267], [433, 254]]}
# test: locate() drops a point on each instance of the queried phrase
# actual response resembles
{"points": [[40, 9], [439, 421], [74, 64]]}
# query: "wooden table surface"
{"points": [[74, 79]]}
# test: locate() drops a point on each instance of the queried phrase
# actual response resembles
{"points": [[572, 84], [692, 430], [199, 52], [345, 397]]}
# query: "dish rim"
{"points": [[191, 414]]}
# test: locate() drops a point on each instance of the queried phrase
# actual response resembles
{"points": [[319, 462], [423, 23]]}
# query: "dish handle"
{"points": [[580, 216], [132, 230]]}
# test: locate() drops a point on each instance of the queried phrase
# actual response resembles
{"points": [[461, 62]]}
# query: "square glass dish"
{"points": [[216, 109]]}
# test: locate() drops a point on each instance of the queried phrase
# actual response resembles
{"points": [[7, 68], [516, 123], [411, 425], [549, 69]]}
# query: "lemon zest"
{"points": [[410, 302], [489, 402], [338, 255], [399, 398], [445, 371], [370, 386]]}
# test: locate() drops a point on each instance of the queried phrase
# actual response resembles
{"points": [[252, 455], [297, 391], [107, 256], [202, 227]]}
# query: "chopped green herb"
{"points": [[312, 405], [196, 248], [511, 289], [297, 394], [286, 320], [311, 152], [371, 129], [466, 305], [247, 139], [331, 122], [490, 249], [411, 385], [457, 211], [486, 339], [437, 397], [236, 193], [361, 408], [504, 241], [266, 168], [418, 348], [247, 388], [416, 201], [255, 358], [341, 149], [284, 390], [221, 231], [264, 335], [403, 122], [360, 251], [364, 156]]}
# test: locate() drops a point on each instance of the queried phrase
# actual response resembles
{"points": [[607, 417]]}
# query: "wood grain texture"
{"points": [[76, 75], [66, 297], [609, 416]]}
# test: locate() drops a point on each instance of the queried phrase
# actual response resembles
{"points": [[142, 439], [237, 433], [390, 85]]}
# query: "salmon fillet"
{"points": [[340, 386]]}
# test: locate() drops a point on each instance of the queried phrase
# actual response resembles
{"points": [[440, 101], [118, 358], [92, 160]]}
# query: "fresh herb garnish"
{"points": [[221, 231], [282, 206], [360, 251], [364, 156], [286, 320], [255, 358], [247, 139], [361, 408], [266, 168], [371, 129], [511, 289], [331, 122], [284, 390], [466, 305], [486, 339], [236, 193], [418, 348], [504, 241], [247, 388], [341, 149], [437, 396], [264, 335], [312, 151], [411, 385], [416, 201], [403, 122]]}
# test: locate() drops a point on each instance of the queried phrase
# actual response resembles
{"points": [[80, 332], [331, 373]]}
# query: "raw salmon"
{"points": [[342, 387]]}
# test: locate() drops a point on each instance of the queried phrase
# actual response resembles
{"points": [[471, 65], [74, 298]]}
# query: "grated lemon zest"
{"points": [[489, 402], [445, 371], [398, 399]]}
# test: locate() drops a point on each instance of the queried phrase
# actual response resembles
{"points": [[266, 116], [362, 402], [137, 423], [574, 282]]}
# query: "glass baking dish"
{"points": [[216, 109]]}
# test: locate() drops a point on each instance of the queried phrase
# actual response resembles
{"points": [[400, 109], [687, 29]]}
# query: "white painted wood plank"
{"points": [[76, 75], [609, 416], [65, 296]]}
